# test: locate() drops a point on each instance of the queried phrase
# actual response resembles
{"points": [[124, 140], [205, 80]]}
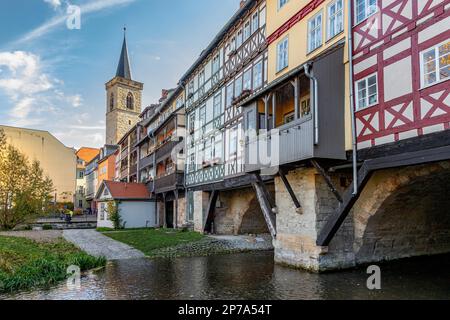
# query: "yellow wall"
{"points": [[58, 161], [298, 42]]}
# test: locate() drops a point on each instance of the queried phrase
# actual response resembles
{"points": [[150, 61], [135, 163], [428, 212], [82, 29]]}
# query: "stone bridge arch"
{"points": [[403, 213]]}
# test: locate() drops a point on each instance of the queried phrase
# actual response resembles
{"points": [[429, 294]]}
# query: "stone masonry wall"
{"points": [[239, 213], [401, 213]]}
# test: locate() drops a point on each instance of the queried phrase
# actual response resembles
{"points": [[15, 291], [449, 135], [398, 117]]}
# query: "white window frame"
{"points": [[282, 59], [368, 105], [317, 26], [255, 75], [437, 67], [335, 15], [247, 30], [366, 15], [255, 18]]}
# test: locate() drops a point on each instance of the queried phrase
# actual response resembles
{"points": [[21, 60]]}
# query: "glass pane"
{"points": [[430, 78], [373, 99], [430, 67], [445, 73], [372, 81], [444, 49], [444, 61]]}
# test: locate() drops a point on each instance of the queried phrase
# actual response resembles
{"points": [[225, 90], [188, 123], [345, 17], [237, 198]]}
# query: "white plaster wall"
{"points": [[137, 214]]}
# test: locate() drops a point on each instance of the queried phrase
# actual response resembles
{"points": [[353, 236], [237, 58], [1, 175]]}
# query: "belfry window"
{"points": [[130, 101], [111, 102]]}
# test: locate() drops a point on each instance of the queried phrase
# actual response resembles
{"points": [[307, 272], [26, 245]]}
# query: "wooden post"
{"points": [[266, 111], [165, 210], [295, 84], [327, 180], [211, 211], [175, 225]]}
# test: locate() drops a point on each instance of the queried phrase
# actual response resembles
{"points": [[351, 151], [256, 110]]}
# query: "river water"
{"points": [[250, 276]]}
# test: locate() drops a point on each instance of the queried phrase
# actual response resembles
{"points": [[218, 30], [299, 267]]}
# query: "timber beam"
{"points": [[289, 189], [350, 197], [327, 180], [211, 211]]}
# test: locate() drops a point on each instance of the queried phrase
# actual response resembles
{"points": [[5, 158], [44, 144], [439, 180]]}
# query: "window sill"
{"points": [[314, 50], [281, 70], [423, 87], [368, 107], [330, 39]]}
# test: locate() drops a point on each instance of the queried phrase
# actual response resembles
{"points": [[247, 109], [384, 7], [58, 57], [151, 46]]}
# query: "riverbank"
{"points": [[42, 262], [168, 243]]}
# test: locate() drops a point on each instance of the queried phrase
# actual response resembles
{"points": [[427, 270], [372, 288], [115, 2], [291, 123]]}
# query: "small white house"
{"points": [[136, 210]]}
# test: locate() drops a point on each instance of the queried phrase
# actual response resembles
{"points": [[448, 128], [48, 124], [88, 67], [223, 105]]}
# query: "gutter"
{"points": [[352, 107], [315, 90]]}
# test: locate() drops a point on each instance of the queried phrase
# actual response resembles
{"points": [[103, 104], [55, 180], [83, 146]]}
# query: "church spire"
{"points": [[123, 69]]}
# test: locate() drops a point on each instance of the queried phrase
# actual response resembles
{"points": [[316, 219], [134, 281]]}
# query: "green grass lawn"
{"points": [[149, 240], [25, 264]]}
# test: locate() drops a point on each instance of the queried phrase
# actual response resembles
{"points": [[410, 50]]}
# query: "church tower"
{"points": [[124, 100]]}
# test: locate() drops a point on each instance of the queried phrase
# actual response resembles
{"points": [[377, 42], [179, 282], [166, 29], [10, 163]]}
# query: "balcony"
{"points": [[133, 169], [165, 149], [289, 143], [147, 161], [169, 182]]}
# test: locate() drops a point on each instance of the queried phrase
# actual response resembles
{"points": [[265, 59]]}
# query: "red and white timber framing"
{"points": [[389, 44]]}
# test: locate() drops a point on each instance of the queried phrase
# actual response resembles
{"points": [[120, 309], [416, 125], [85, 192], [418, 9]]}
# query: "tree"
{"points": [[25, 191]]}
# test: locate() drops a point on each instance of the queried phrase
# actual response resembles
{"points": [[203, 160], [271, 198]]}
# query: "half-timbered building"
{"points": [[230, 69]]}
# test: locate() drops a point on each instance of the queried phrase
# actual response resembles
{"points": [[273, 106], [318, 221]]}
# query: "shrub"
{"points": [[47, 227]]}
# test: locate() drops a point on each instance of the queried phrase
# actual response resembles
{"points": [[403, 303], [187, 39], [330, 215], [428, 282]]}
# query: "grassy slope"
{"points": [[26, 264], [148, 240]]}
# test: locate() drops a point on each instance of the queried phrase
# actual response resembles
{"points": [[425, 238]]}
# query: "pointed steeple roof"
{"points": [[123, 69]]}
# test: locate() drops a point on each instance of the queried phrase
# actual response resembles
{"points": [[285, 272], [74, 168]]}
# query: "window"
{"points": [[262, 17], [217, 108], [102, 211], [111, 102], [230, 94], [436, 64], [80, 203], [315, 32], [217, 152], [248, 79], [257, 75], [130, 101], [202, 116], [201, 78], [335, 18], [192, 122], [282, 54], [216, 64], [364, 9], [81, 175], [281, 3], [190, 89], [366, 92], [247, 30], [238, 87], [255, 22], [289, 117], [305, 107], [232, 148], [239, 39]]}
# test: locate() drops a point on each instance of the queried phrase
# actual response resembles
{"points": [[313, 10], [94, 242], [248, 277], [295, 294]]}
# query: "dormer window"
{"points": [[130, 101]]}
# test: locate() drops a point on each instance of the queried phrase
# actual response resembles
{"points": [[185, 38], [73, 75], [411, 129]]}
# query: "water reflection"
{"points": [[251, 276]]}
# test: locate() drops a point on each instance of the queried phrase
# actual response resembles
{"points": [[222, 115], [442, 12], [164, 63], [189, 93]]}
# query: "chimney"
{"points": [[164, 95]]}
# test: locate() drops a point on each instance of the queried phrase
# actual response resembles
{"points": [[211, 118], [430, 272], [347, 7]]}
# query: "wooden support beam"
{"points": [[211, 211], [266, 192], [400, 160], [289, 189], [269, 216], [327, 180]]}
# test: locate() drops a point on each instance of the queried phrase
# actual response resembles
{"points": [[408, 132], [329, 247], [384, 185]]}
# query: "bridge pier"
{"points": [[402, 212]]}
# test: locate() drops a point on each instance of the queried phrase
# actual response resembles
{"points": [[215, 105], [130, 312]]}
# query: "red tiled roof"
{"points": [[124, 191]]}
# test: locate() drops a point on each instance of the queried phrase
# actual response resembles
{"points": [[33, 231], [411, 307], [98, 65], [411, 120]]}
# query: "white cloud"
{"points": [[54, 3], [76, 101], [59, 20]]}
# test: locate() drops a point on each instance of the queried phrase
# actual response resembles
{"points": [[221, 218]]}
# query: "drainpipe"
{"points": [[352, 108], [310, 75]]}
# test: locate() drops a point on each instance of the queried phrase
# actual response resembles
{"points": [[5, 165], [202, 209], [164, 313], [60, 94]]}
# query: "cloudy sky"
{"points": [[52, 77]]}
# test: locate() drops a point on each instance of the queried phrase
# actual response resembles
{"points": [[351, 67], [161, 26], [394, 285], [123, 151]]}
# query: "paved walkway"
{"points": [[99, 245]]}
